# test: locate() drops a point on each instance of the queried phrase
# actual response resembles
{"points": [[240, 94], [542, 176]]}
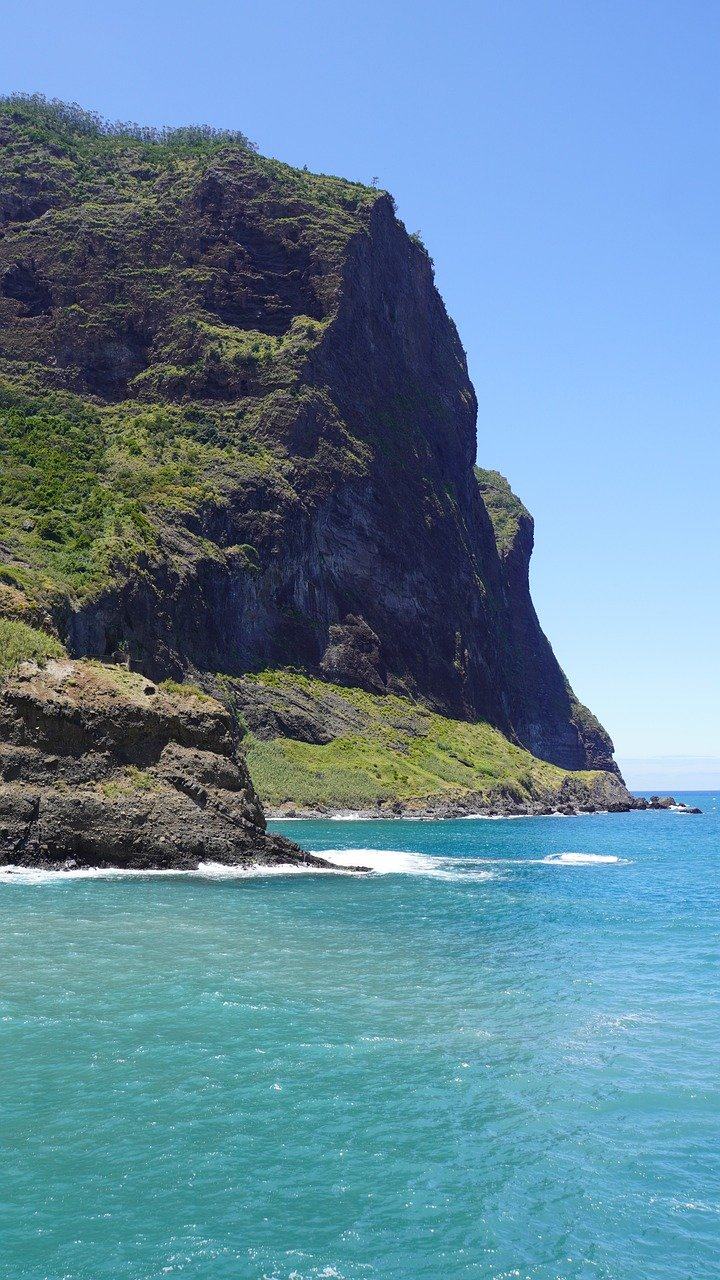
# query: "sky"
{"points": [[560, 160]]}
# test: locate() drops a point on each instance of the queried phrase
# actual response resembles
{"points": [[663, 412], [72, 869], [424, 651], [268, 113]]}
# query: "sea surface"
{"points": [[499, 1056]]}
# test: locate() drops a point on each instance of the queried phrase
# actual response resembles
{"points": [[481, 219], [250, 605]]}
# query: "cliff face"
{"points": [[549, 716], [260, 432]]}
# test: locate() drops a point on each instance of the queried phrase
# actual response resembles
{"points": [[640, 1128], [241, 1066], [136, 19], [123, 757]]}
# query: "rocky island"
{"points": [[241, 524]]}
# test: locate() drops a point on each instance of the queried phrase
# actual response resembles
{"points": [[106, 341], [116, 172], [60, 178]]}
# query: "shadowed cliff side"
{"points": [[546, 705]]}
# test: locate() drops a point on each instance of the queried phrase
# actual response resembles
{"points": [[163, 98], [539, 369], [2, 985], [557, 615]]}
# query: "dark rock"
{"points": [[271, 712], [131, 782], [662, 802], [352, 656]]}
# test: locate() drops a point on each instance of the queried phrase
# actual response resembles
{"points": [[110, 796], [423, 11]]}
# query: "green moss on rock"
{"points": [[503, 506]]}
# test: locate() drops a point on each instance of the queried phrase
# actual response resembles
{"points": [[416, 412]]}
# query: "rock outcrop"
{"points": [[100, 767]]}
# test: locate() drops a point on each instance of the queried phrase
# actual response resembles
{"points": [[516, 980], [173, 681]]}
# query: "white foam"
{"points": [[37, 875], [578, 859], [402, 862], [486, 817], [14, 875], [344, 862]]}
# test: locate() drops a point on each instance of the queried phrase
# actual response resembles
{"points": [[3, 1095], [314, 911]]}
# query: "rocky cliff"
{"points": [[239, 433], [100, 767]]}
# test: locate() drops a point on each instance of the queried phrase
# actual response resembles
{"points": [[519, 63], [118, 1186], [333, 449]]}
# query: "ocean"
{"points": [[498, 1057]]}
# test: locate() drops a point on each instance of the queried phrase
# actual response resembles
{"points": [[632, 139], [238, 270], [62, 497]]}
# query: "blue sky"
{"points": [[560, 160]]}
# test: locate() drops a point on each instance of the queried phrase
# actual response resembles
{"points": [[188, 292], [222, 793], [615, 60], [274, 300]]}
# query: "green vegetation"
{"points": [[21, 643], [108, 164], [148, 366], [50, 118], [88, 139], [392, 749], [58, 512], [134, 685], [504, 507], [129, 782], [185, 690], [85, 489]]}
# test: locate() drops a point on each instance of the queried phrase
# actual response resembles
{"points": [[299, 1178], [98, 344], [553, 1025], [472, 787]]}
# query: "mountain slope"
{"points": [[239, 433], [316, 747]]}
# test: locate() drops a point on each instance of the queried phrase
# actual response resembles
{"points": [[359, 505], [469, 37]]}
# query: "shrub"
{"points": [[184, 690]]}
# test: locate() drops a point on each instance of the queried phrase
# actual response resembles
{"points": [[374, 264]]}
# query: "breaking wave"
{"points": [[402, 862], [344, 862]]}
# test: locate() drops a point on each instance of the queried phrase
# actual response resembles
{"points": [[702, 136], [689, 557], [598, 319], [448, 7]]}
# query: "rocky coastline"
{"points": [[464, 809], [100, 767]]}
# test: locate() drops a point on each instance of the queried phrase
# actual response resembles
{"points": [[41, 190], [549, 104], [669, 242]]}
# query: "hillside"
{"points": [[315, 747], [238, 434]]}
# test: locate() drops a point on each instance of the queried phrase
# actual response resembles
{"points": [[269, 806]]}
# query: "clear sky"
{"points": [[560, 159]]}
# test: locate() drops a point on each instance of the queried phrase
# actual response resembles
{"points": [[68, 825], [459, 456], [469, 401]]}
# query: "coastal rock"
{"points": [[100, 767], [667, 803]]}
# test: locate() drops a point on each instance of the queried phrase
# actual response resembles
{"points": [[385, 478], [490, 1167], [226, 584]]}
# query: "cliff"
{"points": [[239, 434]]}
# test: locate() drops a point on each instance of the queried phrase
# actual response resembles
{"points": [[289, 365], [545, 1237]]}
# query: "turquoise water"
{"points": [[487, 1062]]}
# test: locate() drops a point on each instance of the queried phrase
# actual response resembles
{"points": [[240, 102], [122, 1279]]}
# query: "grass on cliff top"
{"points": [[138, 197], [21, 643], [134, 685], [402, 752], [51, 118], [74, 142], [503, 506]]}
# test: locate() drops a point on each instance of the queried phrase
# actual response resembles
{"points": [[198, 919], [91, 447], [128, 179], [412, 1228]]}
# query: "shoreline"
{"points": [[446, 811]]}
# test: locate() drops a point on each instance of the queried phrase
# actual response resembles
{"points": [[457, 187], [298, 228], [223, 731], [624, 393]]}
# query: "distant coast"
{"points": [[465, 809]]}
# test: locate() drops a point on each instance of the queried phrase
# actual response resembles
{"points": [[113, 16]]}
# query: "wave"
{"points": [[379, 861], [349, 816], [579, 859], [402, 862], [15, 875]]}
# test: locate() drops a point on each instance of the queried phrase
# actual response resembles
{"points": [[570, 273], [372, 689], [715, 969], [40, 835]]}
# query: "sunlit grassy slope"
{"points": [[390, 749]]}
